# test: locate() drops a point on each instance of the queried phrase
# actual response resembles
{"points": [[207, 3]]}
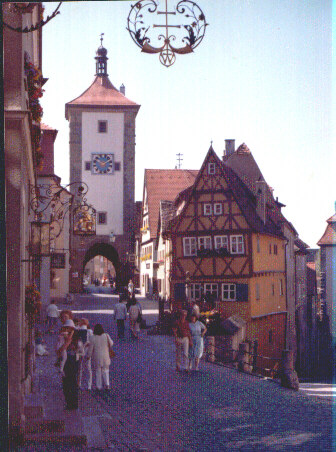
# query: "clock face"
{"points": [[102, 163]]}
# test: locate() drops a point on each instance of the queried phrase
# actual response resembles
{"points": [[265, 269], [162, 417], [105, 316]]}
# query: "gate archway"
{"points": [[109, 252]]}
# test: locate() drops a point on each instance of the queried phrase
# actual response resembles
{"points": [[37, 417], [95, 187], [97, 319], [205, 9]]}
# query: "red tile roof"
{"points": [[164, 184], [46, 127], [329, 236], [103, 94]]}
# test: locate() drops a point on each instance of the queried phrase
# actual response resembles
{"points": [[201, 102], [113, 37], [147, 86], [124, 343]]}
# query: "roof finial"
{"points": [[101, 38]]}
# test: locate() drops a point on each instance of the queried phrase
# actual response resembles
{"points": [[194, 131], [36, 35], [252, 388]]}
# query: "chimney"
{"points": [[122, 89], [229, 148], [261, 199]]}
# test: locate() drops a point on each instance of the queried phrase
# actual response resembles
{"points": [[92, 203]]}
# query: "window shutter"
{"points": [[242, 292], [179, 292]]}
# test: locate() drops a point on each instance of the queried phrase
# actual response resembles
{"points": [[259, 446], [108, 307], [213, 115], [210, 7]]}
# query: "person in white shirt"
{"points": [[120, 314], [52, 316]]}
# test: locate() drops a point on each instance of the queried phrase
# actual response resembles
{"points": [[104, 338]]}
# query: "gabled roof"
{"points": [[329, 236], [164, 184], [243, 196], [244, 165], [101, 93]]}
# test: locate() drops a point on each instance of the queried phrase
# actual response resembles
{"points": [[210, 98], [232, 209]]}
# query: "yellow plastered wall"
{"points": [[265, 294], [263, 259]]}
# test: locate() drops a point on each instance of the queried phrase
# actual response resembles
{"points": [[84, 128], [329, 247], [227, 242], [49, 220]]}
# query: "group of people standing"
{"points": [[80, 350], [189, 342]]}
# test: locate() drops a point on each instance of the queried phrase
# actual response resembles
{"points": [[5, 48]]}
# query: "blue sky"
{"points": [[262, 75]]}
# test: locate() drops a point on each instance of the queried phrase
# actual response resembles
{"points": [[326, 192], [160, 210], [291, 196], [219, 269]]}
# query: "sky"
{"points": [[262, 75]]}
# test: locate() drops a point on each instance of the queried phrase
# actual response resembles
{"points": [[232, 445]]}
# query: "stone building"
{"points": [[22, 81], [102, 155]]}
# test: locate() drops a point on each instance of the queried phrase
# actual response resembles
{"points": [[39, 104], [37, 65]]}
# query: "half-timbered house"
{"points": [[159, 184], [225, 242]]}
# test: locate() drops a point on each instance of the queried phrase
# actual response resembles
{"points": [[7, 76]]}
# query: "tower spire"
{"points": [[101, 59]]}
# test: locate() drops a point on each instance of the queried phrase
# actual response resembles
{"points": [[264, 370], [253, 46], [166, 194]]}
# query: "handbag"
{"points": [[110, 349]]}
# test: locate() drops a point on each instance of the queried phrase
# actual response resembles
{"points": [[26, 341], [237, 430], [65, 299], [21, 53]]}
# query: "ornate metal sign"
{"points": [[187, 35], [51, 203], [25, 8]]}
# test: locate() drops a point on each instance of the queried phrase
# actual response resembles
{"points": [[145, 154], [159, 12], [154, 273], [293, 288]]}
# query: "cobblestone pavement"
{"points": [[151, 407]]}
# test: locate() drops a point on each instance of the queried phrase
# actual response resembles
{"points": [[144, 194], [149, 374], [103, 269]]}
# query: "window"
{"points": [[257, 292], [116, 166], [275, 249], [189, 246], [102, 217], [207, 209], [195, 292], [218, 208], [87, 166], [221, 241], [281, 287], [237, 244], [258, 245], [57, 260], [211, 289], [102, 126], [211, 168], [273, 289], [204, 243], [228, 292], [270, 248]]}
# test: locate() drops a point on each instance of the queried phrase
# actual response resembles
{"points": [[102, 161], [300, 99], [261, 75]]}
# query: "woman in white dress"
{"points": [[198, 331], [98, 350]]}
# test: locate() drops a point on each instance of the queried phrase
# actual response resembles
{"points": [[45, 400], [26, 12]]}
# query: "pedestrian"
{"points": [[195, 310], [85, 332], [120, 315], [198, 330], [65, 315], [134, 312], [130, 288], [72, 347], [52, 316], [100, 344], [183, 341]]}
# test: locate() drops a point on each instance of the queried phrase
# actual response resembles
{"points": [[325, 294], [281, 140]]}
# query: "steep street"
{"points": [[151, 407]]}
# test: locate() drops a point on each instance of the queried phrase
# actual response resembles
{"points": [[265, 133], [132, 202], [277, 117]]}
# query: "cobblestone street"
{"points": [[151, 407]]}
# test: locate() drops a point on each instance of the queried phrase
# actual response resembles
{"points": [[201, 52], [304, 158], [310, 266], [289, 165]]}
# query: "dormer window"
{"points": [[211, 168]]}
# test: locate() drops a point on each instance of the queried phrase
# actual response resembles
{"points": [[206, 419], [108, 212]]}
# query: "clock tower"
{"points": [[102, 155]]}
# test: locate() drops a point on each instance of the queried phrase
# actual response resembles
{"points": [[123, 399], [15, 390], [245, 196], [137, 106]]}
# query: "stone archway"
{"points": [[106, 250]]}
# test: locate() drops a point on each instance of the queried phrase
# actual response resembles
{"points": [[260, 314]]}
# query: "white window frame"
{"points": [[231, 290], [205, 241], [218, 208], [281, 291], [213, 289], [257, 291], [211, 168], [189, 246], [207, 209], [237, 244], [196, 291], [221, 241]]}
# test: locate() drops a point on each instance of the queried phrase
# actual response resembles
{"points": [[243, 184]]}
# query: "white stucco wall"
{"points": [[105, 191]]}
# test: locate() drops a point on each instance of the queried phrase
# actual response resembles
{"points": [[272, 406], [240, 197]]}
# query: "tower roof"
{"points": [[101, 93]]}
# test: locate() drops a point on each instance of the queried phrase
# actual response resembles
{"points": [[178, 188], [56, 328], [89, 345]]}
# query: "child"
{"points": [[39, 347]]}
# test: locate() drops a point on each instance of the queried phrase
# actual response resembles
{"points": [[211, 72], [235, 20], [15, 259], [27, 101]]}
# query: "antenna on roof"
{"points": [[179, 160]]}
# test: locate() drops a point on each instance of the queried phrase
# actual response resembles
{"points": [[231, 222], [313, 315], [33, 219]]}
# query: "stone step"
{"points": [[48, 438], [45, 425]]}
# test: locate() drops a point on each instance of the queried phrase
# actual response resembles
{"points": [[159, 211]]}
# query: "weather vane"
{"points": [[143, 35]]}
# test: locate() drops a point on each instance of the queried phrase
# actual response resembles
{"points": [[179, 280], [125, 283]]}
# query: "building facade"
{"points": [[22, 81], [102, 155], [227, 249]]}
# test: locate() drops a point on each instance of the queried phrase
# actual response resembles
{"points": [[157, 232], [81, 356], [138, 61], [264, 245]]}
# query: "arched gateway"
{"points": [[87, 249]]}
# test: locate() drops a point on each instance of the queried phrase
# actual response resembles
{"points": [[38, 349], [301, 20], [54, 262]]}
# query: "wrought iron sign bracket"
{"points": [[24, 9], [143, 34]]}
